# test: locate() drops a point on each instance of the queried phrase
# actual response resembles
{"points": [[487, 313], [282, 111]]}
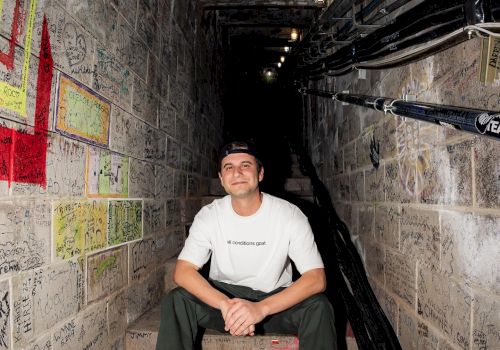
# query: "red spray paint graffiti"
{"points": [[22, 155], [8, 58]]}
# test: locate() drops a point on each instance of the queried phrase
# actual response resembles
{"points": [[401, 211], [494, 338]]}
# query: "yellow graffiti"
{"points": [[79, 227], [82, 113], [12, 97]]}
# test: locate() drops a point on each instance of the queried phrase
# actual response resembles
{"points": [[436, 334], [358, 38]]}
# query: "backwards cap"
{"points": [[238, 147]]}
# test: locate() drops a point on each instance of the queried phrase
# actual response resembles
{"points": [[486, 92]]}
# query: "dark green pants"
{"points": [[182, 313]]}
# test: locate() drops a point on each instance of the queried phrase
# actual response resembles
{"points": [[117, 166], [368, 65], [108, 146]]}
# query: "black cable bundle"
{"points": [[412, 31], [368, 321]]}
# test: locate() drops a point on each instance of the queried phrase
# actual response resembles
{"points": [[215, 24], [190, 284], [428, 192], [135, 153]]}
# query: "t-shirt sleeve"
{"points": [[303, 250], [198, 246]]}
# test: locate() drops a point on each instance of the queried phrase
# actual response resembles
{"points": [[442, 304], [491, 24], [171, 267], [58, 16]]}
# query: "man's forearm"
{"points": [[310, 283], [187, 276]]}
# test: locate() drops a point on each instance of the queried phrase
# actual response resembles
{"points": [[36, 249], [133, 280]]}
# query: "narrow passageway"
{"points": [[379, 119]]}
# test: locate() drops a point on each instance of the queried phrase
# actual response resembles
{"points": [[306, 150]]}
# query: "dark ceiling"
{"points": [[260, 29], [254, 35]]}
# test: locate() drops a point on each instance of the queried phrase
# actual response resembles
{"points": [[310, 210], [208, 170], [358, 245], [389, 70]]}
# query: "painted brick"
{"points": [[393, 183], [130, 50], [72, 46], [400, 276], [427, 337], [112, 79], [350, 157], [180, 183], [344, 188], [79, 226], [487, 173], [65, 166], [407, 155], [141, 179], [387, 225], [164, 182], [420, 237], [117, 316], [144, 102], [143, 295], [365, 223], [173, 153], [374, 185], [44, 297], [445, 304], [128, 12], [141, 259], [146, 26], [24, 235], [193, 186], [155, 145], [469, 248], [86, 331], [485, 322], [389, 305], [173, 212], [387, 134], [447, 175], [186, 159], [153, 215], [167, 117], [375, 261], [363, 148], [124, 221], [97, 17], [181, 130], [168, 244], [356, 186], [106, 273], [5, 319], [407, 331]]}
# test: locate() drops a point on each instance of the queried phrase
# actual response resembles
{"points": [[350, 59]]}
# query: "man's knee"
{"points": [[319, 303]]}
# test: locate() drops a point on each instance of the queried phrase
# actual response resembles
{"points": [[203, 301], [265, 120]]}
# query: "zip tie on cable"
{"points": [[390, 106], [374, 103]]}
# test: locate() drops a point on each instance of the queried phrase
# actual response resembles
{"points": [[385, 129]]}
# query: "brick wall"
{"points": [[427, 221], [102, 161]]}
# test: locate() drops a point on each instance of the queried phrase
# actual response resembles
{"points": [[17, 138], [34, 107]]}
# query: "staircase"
{"points": [[142, 334]]}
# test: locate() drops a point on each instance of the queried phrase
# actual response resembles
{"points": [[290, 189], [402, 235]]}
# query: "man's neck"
{"points": [[248, 205]]}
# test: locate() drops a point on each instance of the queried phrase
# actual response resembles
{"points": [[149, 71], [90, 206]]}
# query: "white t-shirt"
{"points": [[252, 251]]}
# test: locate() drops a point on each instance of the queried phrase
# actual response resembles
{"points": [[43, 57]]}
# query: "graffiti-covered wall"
{"points": [[422, 202], [109, 121]]}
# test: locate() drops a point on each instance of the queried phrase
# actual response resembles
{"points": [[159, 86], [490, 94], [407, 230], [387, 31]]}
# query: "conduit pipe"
{"points": [[476, 121]]}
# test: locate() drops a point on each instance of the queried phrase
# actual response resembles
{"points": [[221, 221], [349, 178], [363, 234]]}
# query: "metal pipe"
{"points": [[475, 121]]}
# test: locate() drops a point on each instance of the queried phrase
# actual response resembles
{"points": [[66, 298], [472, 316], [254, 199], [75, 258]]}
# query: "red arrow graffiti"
{"points": [[22, 155], [8, 58]]}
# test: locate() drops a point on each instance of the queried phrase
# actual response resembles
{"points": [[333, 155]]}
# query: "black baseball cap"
{"points": [[239, 147]]}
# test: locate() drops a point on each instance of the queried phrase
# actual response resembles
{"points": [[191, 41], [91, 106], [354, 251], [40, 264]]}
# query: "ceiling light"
{"points": [[287, 48], [282, 59], [279, 64], [294, 35]]}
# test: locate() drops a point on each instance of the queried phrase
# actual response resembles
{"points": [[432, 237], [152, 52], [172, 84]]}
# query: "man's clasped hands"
{"points": [[241, 316]]}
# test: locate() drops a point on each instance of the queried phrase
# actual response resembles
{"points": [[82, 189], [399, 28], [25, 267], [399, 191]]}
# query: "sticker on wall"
{"points": [[81, 113], [79, 226], [13, 97], [106, 174], [125, 221]]}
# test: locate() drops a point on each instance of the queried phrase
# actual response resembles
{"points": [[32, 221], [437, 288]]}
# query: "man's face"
{"points": [[239, 175]]}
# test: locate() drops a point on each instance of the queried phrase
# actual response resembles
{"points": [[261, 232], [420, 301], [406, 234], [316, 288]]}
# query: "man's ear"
{"points": [[220, 177], [261, 174]]}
